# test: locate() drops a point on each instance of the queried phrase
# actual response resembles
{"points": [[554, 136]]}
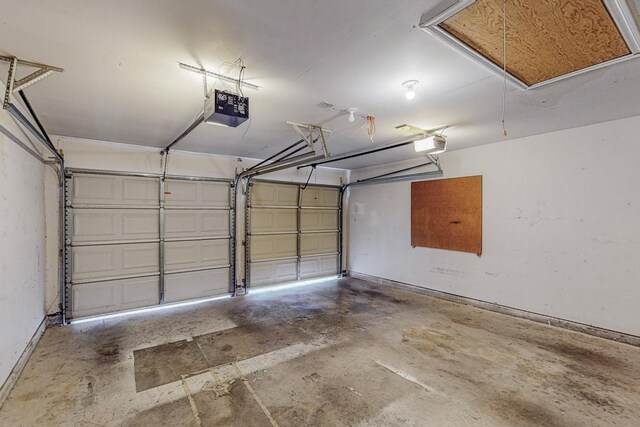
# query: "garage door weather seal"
{"points": [[146, 310], [291, 285]]}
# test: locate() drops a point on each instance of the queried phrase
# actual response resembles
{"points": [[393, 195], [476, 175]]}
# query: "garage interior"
{"points": [[331, 213]]}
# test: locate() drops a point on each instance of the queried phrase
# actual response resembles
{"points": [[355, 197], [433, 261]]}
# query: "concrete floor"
{"points": [[345, 352]]}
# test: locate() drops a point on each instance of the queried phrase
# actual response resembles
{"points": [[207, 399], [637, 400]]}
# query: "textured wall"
{"points": [[561, 230], [22, 244]]}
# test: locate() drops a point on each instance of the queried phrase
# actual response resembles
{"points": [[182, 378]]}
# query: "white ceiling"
{"points": [[122, 82]]}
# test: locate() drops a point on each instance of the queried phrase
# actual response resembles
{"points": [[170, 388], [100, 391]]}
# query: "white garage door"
{"points": [[196, 239], [292, 232], [129, 248]]}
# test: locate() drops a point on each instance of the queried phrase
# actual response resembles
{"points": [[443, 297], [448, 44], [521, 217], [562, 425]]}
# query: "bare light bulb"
{"points": [[351, 117], [409, 86]]}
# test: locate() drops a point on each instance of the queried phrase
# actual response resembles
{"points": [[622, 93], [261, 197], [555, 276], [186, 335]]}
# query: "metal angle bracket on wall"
{"points": [[15, 85]]}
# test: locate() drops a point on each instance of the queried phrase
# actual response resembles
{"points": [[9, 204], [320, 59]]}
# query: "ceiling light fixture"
{"points": [[351, 112], [435, 144], [409, 86]]}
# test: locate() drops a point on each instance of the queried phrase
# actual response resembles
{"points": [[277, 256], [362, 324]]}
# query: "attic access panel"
{"points": [[547, 40]]}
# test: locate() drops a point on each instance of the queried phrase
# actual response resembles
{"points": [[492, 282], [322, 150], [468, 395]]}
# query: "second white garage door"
{"points": [[292, 232]]}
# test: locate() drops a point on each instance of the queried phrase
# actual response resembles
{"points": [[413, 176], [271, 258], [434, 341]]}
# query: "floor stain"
{"points": [[521, 412], [488, 368], [177, 413], [165, 363]]}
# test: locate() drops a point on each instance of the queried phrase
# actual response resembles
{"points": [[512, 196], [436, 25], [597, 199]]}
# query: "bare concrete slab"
{"points": [[345, 352], [165, 363], [245, 342]]}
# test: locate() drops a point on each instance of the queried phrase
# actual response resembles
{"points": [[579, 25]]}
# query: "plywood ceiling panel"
{"points": [[447, 214], [545, 38]]}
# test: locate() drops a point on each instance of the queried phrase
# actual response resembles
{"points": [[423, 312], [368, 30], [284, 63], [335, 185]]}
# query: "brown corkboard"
{"points": [[447, 214], [545, 38]]}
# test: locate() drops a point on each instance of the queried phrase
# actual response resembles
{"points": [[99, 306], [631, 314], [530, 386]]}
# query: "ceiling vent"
{"points": [[546, 40]]}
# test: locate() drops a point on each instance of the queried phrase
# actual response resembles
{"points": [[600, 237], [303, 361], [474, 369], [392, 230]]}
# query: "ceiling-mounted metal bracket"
{"points": [[309, 136], [217, 76], [434, 160], [15, 85]]}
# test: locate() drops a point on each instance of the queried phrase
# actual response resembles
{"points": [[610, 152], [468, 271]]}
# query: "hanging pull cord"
{"points": [[504, 66]]}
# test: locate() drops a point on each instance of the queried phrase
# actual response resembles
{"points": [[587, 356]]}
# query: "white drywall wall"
{"points": [[91, 154], [22, 243], [561, 227]]}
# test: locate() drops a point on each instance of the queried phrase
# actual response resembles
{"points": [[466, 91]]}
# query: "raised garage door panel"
{"points": [[318, 266], [195, 254], [110, 261], [196, 284], [320, 197], [112, 295], [273, 246], [106, 225], [318, 219], [181, 193], [196, 223], [107, 190], [274, 220], [269, 272], [318, 243], [270, 194]]}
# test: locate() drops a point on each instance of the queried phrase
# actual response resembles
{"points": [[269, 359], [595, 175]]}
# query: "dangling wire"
{"points": [[371, 129], [504, 65], [313, 168], [247, 129], [204, 83], [240, 63]]}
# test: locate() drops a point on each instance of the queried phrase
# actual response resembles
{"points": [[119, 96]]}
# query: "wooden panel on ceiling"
{"points": [[545, 38], [447, 214]]}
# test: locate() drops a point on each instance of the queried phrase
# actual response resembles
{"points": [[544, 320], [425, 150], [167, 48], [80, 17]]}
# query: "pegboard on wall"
{"points": [[447, 214]]}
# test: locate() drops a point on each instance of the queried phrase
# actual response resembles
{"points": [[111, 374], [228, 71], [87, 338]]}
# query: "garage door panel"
{"points": [[107, 190], [107, 261], [318, 243], [270, 272], [270, 194], [273, 246], [196, 284], [312, 220], [196, 254], [138, 190], [320, 197], [112, 295], [180, 193], [319, 266], [105, 225], [274, 220], [196, 223]]}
